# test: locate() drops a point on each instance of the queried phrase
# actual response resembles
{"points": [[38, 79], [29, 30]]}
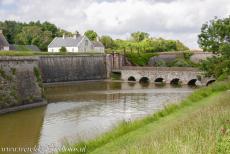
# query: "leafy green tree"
{"points": [[46, 26], [10, 30], [215, 36], [139, 36], [92, 35], [225, 50], [63, 49], [34, 35], [43, 40], [28, 34], [107, 41]]}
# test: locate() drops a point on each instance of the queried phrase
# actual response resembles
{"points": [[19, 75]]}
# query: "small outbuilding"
{"points": [[98, 46], [4, 45]]}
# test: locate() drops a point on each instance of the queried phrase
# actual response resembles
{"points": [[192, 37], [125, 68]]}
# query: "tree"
{"points": [[43, 40], [10, 30], [28, 33], [92, 35], [107, 41], [215, 36], [37, 33], [63, 49], [139, 36], [33, 35], [46, 26]]}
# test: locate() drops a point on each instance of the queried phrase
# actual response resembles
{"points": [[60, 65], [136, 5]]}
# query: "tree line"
{"points": [[36, 33], [42, 33], [139, 41]]}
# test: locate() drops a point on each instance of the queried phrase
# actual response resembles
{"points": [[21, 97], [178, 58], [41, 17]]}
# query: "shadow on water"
{"points": [[21, 129]]}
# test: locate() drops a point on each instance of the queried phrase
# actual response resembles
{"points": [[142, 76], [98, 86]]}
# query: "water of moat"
{"points": [[80, 111]]}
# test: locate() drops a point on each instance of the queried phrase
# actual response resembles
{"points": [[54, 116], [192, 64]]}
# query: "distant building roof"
{"points": [[12, 47], [24, 47], [33, 48], [3, 41], [97, 44], [66, 41]]}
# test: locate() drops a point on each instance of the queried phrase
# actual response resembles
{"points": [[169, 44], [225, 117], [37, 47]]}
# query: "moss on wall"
{"points": [[20, 82]]}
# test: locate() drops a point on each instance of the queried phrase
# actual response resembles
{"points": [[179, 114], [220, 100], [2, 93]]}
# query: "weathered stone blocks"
{"points": [[72, 68], [18, 83]]}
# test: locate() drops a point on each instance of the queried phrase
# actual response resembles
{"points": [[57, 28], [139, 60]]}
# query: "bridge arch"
{"points": [[131, 78], [175, 81], [159, 80], [192, 82], [144, 80], [210, 82]]}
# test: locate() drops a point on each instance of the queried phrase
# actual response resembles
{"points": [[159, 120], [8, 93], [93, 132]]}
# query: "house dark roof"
{"points": [[12, 47], [97, 44], [3, 41], [24, 47], [33, 48], [65, 42]]}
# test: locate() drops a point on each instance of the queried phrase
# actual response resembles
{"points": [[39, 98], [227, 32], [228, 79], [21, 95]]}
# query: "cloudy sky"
{"points": [[170, 19]]}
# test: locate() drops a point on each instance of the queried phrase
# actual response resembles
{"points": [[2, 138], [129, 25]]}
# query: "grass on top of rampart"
{"points": [[35, 53]]}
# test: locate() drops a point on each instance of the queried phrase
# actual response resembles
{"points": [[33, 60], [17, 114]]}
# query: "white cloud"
{"points": [[174, 19]]}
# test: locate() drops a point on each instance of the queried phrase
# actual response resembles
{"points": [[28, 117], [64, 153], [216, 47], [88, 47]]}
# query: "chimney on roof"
{"points": [[63, 35], [97, 39], [76, 34]]}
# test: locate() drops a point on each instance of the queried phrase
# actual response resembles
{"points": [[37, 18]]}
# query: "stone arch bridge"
{"points": [[173, 75]]}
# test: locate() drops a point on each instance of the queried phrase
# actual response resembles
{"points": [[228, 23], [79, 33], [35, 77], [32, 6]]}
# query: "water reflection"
{"points": [[84, 110], [21, 129]]}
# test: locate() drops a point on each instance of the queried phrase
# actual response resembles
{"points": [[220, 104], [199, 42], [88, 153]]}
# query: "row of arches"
{"points": [[175, 81]]}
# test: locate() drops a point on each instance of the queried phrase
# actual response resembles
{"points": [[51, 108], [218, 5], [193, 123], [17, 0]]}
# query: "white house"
{"points": [[4, 45], [77, 43], [98, 46]]}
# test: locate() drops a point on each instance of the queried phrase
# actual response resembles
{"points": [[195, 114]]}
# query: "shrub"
{"points": [[63, 49], [161, 63], [216, 66], [187, 55], [140, 59], [181, 63]]}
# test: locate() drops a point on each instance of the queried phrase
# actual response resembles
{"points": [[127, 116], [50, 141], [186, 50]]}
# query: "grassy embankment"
{"points": [[199, 124]]}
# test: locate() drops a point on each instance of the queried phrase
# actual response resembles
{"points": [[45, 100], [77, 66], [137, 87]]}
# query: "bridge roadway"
{"points": [[172, 75]]}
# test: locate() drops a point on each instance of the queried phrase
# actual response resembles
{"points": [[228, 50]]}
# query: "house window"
{"points": [[86, 42]]}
